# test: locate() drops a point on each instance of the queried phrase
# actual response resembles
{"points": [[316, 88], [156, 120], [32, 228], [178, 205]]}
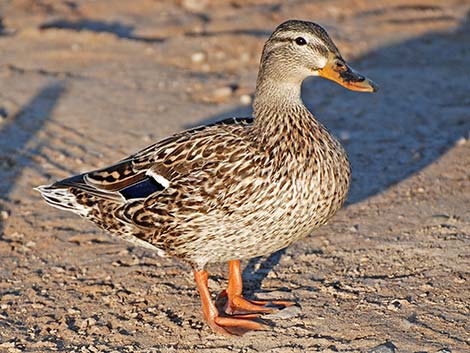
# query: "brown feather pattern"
{"points": [[236, 189]]}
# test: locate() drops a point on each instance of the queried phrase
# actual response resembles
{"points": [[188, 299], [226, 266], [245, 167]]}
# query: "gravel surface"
{"points": [[86, 83]]}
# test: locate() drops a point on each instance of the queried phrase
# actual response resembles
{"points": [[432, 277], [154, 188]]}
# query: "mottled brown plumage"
{"points": [[236, 189]]}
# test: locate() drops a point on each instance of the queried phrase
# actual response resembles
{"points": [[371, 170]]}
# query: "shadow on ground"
{"points": [[119, 29], [19, 130]]}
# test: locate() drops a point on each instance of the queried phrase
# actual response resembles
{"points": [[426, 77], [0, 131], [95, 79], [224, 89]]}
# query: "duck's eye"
{"points": [[300, 41]]}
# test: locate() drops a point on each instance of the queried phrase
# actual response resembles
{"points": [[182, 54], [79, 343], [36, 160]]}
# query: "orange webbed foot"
{"points": [[226, 325], [237, 304], [242, 313]]}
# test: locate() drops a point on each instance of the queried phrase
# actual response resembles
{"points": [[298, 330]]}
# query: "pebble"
{"points": [[15, 236], [90, 322], [212, 283], [387, 347], [14, 350], [286, 313], [4, 215], [344, 136], [58, 269], [195, 5], [73, 311], [461, 141], [222, 93], [354, 228], [198, 57], [75, 47], [30, 244], [275, 295], [94, 349], [245, 99]]}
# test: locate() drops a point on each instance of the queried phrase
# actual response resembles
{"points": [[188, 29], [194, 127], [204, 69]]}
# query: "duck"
{"points": [[236, 189]]}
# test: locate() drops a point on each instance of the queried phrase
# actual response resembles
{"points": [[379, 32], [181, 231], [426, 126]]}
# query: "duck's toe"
{"points": [[235, 325], [238, 305]]}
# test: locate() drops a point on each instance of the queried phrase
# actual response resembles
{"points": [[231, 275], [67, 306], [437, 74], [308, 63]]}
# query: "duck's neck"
{"points": [[275, 94], [282, 122]]}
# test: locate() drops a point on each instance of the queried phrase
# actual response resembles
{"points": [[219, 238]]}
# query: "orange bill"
{"points": [[337, 70]]}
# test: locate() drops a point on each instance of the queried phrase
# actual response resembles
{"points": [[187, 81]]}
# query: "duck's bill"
{"points": [[337, 70]]}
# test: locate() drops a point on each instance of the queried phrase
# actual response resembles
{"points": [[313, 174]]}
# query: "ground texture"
{"points": [[85, 83]]}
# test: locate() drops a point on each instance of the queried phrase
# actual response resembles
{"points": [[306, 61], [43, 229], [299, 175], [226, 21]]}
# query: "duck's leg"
{"points": [[225, 325], [236, 304]]}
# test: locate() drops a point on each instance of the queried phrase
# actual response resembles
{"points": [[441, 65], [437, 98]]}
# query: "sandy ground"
{"points": [[85, 83]]}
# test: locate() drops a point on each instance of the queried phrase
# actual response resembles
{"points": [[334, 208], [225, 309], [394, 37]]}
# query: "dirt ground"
{"points": [[86, 83]]}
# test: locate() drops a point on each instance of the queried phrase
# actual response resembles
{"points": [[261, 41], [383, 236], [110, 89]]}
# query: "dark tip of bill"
{"points": [[374, 86]]}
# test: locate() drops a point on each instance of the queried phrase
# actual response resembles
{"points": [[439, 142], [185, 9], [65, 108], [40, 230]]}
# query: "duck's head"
{"points": [[298, 49]]}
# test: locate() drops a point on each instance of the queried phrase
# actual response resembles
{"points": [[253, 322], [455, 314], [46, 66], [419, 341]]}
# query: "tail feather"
{"points": [[61, 198]]}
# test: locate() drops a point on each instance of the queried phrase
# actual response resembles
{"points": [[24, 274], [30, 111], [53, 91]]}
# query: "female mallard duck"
{"points": [[237, 189]]}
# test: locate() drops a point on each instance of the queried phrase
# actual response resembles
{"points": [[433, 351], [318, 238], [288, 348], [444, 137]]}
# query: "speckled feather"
{"points": [[236, 189]]}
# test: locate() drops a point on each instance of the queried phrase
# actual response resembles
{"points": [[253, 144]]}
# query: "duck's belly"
{"points": [[260, 228]]}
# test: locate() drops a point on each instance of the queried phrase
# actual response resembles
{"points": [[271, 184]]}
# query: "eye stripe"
{"points": [[281, 40], [313, 43], [320, 48]]}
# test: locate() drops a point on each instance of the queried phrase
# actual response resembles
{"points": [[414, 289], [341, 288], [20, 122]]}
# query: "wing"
{"points": [[160, 165]]}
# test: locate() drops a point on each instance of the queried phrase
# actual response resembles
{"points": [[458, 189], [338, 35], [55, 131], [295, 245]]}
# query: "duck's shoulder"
{"points": [[200, 141]]}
